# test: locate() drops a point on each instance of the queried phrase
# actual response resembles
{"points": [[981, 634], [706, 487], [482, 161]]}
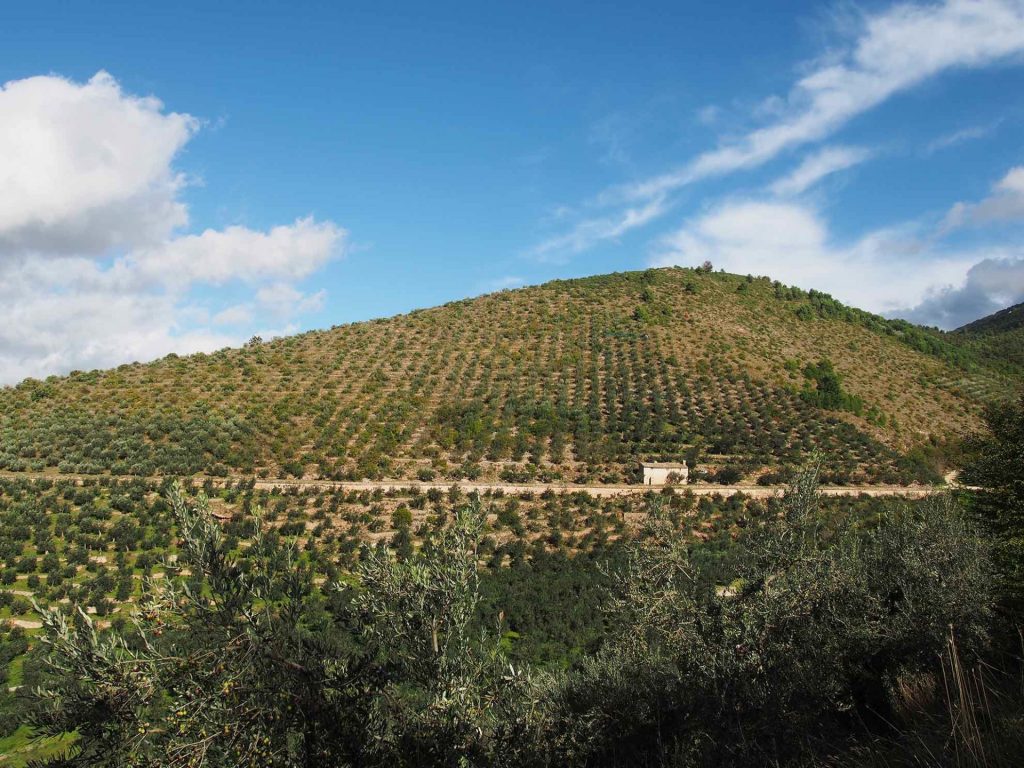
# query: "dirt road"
{"points": [[698, 489]]}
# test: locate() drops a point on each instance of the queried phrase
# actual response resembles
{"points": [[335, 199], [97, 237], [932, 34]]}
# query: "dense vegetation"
{"points": [[997, 340], [995, 474], [97, 544], [221, 619], [827, 643], [614, 614], [571, 381]]}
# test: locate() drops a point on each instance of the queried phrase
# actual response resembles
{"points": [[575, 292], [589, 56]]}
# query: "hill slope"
{"points": [[1003, 321], [574, 380], [996, 340]]}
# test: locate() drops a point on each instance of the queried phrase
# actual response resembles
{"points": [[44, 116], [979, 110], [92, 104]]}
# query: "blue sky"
{"points": [[185, 177]]}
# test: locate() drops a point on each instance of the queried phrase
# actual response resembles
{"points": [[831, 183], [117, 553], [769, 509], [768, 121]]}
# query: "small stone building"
{"points": [[665, 473]]}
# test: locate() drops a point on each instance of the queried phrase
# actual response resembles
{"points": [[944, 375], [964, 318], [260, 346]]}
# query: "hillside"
{"points": [[1003, 321], [996, 340], [572, 380]]}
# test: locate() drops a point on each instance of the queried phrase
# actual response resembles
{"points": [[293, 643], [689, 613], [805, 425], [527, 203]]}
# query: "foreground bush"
{"points": [[815, 635], [244, 662]]}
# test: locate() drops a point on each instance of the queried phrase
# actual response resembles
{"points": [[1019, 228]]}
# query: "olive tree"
{"points": [[820, 621], [238, 659]]}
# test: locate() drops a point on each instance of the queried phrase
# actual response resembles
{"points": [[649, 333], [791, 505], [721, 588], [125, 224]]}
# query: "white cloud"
{"points": [[894, 51], [1013, 181], [817, 166], [961, 136], [888, 53], [94, 268], [50, 323], [1006, 203], [882, 272], [237, 253], [284, 300], [86, 167]]}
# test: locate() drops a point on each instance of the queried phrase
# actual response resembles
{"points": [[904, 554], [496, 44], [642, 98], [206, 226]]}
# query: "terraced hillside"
{"points": [[572, 380]]}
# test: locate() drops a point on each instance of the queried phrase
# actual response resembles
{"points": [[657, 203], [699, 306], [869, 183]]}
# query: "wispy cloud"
{"points": [[590, 231], [709, 115], [973, 133], [887, 53], [613, 136], [816, 167], [502, 283]]}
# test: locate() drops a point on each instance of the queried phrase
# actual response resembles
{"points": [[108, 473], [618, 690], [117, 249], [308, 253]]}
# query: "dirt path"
{"points": [[23, 623], [698, 489]]}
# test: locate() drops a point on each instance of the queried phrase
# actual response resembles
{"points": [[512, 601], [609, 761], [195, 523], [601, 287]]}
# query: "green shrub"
{"points": [[819, 626]]}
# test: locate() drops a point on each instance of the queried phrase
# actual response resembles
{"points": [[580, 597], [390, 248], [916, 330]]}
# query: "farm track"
{"points": [[598, 491]]}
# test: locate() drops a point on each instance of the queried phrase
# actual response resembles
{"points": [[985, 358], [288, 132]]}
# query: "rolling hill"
{"points": [[996, 340], [574, 380]]}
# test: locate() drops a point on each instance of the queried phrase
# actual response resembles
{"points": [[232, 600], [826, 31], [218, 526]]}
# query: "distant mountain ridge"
{"points": [[573, 380]]}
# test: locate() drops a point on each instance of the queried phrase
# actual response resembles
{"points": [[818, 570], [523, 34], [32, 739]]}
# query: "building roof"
{"points": [[662, 465]]}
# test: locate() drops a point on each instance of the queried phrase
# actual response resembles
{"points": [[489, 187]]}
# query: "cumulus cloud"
{"points": [[238, 253], [990, 285], [51, 323], [882, 272], [1006, 203], [886, 53], [86, 167], [817, 166], [95, 268]]}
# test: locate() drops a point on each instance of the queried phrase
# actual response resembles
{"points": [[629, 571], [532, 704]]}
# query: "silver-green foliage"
{"points": [[450, 697], [820, 622], [235, 660], [242, 660]]}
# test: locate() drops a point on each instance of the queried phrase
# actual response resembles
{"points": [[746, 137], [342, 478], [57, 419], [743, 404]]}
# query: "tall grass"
{"points": [[968, 717]]}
